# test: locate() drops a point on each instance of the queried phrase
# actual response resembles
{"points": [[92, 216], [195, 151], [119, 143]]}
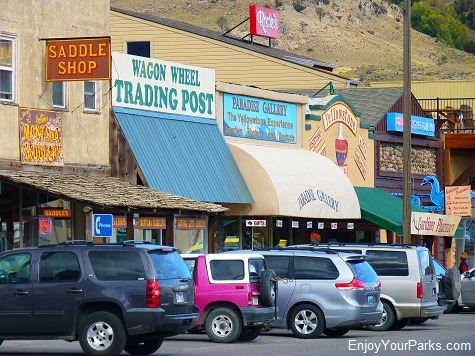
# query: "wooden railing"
{"points": [[455, 115]]}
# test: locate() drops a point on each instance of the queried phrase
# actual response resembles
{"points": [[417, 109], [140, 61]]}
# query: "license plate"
{"points": [[179, 297], [370, 299]]}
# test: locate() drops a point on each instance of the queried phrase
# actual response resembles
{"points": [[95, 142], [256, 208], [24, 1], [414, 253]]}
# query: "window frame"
{"points": [[92, 94], [63, 95], [12, 69]]}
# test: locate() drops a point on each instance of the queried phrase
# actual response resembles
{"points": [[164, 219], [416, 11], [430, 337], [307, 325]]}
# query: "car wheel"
{"points": [[267, 288], [249, 333], [335, 332], [223, 325], [306, 321], [398, 325], [418, 321], [102, 333], [148, 347], [452, 283], [387, 319]]}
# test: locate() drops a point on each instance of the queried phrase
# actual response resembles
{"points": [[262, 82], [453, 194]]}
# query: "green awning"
{"points": [[382, 208]]}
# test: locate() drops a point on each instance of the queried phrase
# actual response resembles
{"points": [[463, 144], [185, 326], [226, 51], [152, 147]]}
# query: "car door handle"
{"points": [[75, 290], [20, 292]]}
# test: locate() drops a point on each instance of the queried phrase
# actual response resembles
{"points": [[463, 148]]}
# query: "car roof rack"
{"points": [[299, 248], [371, 244], [70, 243]]}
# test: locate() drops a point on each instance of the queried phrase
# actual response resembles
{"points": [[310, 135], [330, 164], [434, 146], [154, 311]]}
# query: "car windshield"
{"points": [[169, 265], [363, 271]]}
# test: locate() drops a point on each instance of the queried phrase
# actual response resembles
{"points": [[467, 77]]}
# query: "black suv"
{"points": [[109, 297]]}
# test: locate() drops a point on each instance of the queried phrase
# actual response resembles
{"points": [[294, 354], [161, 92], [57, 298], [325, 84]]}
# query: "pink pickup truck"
{"points": [[235, 294]]}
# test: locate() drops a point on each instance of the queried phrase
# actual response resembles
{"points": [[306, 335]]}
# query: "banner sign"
{"points": [[255, 223], [458, 200], [263, 21], [78, 59], [419, 125], [150, 223], [41, 140], [190, 224], [434, 224], [259, 119], [160, 86], [55, 213]]}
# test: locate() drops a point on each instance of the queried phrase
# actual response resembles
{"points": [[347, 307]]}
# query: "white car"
{"points": [[467, 296]]}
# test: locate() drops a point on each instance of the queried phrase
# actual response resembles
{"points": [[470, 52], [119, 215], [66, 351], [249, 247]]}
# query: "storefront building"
{"points": [[165, 136], [296, 191], [55, 172]]}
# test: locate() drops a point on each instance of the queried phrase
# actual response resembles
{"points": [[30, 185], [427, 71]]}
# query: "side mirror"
{"points": [[467, 275]]}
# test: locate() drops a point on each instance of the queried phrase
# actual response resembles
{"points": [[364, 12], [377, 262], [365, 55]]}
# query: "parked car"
{"points": [[234, 293], [323, 291], [408, 281], [466, 299], [109, 297]]}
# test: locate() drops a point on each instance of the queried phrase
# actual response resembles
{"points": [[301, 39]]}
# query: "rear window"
{"points": [[117, 265], [425, 262], [169, 265], [314, 268], [225, 270], [256, 267], [388, 263], [363, 271]]}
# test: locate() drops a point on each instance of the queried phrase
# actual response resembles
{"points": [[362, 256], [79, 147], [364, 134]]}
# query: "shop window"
{"points": [[7, 68], [139, 48], [191, 234], [59, 95]]}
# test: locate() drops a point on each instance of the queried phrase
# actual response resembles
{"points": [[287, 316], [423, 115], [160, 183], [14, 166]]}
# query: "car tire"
{"points": [[452, 283], [250, 333], [335, 332], [306, 321], [147, 347], [268, 288], [102, 333], [387, 320], [418, 321], [399, 324], [223, 325]]}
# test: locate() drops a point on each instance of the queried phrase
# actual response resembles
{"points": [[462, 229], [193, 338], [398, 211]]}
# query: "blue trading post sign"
{"points": [[102, 225]]}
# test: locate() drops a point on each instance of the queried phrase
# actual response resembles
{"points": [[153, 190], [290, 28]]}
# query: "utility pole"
{"points": [[406, 147]]}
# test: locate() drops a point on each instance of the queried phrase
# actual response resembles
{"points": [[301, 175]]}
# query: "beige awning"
{"points": [[105, 191], [293, 182]]}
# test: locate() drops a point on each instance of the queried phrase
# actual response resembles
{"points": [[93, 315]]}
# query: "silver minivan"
{"points": [[323, 291], [408, 281]]}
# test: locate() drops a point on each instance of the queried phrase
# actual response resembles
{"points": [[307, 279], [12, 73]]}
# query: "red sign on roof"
{"points": [[263, 21]]}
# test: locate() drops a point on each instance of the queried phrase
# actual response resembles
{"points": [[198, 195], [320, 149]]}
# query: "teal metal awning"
{"points": [[182, 155], [382, 208]]}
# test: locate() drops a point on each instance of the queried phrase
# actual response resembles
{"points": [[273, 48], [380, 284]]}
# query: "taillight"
{"points": [[355, 284], [379, 283], [419, 290], [153, 294]]}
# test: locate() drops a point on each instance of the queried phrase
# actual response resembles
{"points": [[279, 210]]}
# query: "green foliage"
{"points": [[278, 3], [299, 5], [222, 23], [465, 10], [320, 12], [439, 21]]}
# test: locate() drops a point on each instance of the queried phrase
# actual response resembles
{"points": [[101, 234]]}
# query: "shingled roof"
{"points": [[235, 41], [106, 191], [372, 103]]}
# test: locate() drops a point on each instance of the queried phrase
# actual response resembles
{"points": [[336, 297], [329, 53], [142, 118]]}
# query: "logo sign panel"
{"points": [[255, 223], [46, 225], [263, 21], [148, 84], [41, 141], [419, 125], [102, 225], [78, 59], [458, 200], [259, 119]]}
